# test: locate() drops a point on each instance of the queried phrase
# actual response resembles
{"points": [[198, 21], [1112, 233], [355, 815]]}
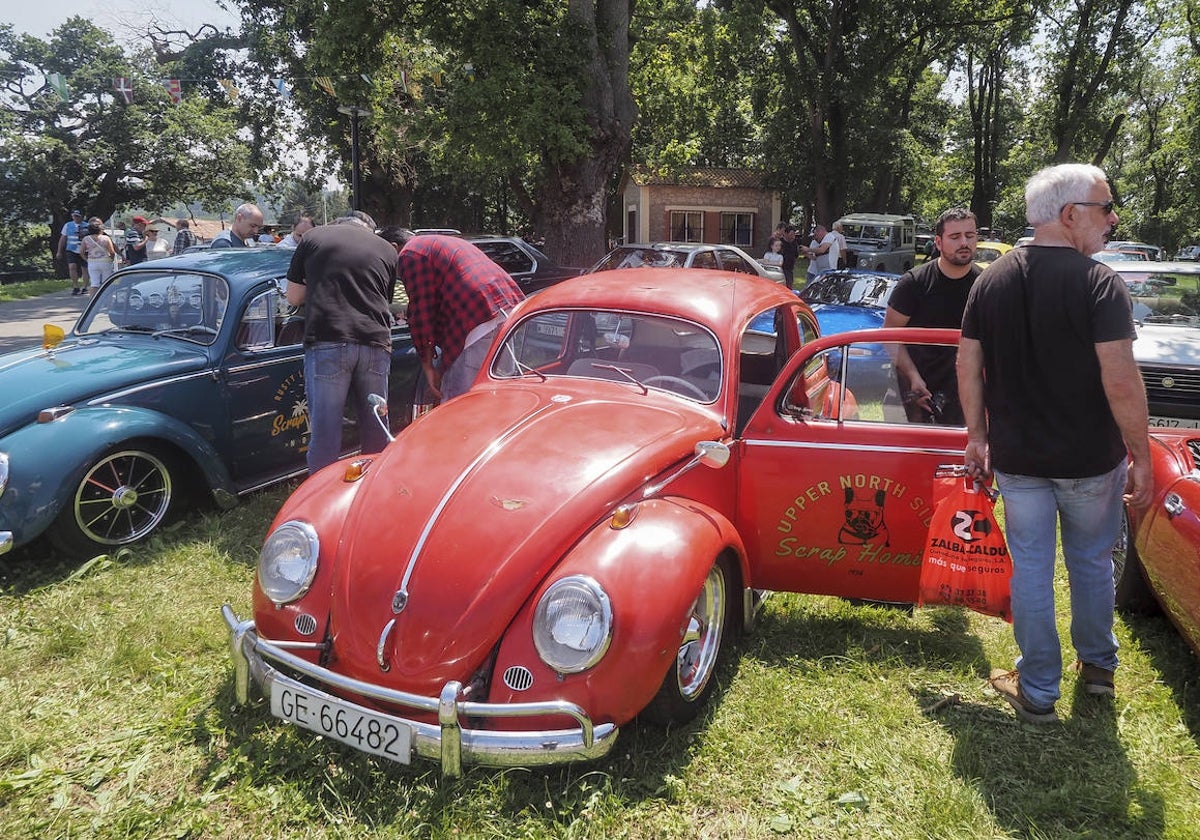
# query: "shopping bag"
{"points": [[965, 562]]}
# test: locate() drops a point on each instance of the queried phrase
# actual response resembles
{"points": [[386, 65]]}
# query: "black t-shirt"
{"points": [[1038, 313], [350, 274], [791, 252], [931, 299]]}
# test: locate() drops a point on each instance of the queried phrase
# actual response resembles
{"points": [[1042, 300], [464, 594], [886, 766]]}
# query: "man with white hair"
{"points": [[247, 219], [1055, 406], [303, 225]]}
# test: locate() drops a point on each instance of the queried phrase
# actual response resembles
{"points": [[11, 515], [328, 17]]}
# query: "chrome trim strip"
{"points": [[100, 399], [445, 741], [841, 447], [271, 362]]}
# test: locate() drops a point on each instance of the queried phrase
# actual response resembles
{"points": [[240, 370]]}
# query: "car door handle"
{"points": [[1173, 505]]}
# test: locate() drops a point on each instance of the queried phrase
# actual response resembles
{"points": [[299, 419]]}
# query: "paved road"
{"points": [[21, 320]]}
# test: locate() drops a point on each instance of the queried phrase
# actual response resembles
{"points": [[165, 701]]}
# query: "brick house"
{"points": [[719, 206]]}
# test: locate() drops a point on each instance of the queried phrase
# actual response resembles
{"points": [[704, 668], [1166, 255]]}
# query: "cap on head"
{"points": [[76, 212], [139, 220]]}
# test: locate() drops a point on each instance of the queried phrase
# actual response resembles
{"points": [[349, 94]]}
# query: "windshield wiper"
{"points": [[523, 368], [625, 372], [185, 333]]}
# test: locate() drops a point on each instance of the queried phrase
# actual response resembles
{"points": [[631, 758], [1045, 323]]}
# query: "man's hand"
{"points": [[978, 461], [1139, 485]]}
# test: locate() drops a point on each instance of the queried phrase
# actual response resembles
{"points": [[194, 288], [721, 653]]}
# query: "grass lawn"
{"points": [[835, 721], [33, 288]]}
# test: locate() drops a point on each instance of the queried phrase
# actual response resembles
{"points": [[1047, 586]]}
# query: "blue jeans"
{"points": [[334, 370], [1089, 511]]}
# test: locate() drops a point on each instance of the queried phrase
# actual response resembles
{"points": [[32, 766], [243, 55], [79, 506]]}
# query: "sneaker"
{"points": [[1008, 685], [75, 292], [1096, 680]]}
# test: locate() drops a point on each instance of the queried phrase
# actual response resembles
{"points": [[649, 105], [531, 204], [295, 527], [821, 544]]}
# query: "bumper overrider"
{"points": [[446, 741]]}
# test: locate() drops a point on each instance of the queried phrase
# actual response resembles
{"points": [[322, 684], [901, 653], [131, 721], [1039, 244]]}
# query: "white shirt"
{"points": [[828, 260]]}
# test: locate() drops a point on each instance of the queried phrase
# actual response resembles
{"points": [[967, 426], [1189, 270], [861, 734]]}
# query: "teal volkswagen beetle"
{"points": [[183, 378]]}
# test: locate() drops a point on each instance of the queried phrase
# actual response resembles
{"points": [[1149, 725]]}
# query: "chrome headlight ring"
{"points": [[572, 624], [287, 563]]}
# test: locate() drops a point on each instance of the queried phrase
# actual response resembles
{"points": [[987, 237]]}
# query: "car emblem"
{"points": [[399, 601], [1168, 382]]}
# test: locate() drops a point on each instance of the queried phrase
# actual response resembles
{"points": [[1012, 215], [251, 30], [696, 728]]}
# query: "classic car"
{"points": [[685, 255], [182, 376], [1156, 562], [576, 540], [988, 251], [526, 264], [1166, 307]]}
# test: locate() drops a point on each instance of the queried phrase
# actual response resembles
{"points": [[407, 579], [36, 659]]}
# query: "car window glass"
{"points": [[1164, 297], [191, 305], [704, 259], [732, 261], [507, 255]]}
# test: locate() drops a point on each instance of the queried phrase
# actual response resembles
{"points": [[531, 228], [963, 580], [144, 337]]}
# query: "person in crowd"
{"points": [[934, 294], [774, 254], [791, 252], [344, 275], [156, 246], [1055, 407], [100, 252], [69, 249], [135, 241], [839, 232], [457, 299], [247, 219], [303, 225], [822, 251], [184, 238]]}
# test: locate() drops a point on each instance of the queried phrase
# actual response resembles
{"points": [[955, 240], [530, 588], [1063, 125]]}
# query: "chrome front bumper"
{"points": [[445, 741]]}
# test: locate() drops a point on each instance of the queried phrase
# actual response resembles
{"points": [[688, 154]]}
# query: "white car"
{"points": [[686, 255]]}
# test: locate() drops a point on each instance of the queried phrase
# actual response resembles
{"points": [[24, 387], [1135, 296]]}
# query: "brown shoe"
{"points": [[1008, 685], [1096, 680]]}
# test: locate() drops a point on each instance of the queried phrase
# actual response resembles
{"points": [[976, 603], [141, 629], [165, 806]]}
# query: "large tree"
{"points": [[95, 151]]}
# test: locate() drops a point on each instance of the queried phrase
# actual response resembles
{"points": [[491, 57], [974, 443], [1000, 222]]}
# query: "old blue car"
{"points": [[183, 378]]}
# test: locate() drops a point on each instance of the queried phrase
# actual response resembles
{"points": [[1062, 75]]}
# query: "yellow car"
{"points": [[987, 252]]}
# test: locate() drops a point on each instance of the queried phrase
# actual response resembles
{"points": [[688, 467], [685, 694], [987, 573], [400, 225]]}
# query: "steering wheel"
{"points": [[678, 385]]}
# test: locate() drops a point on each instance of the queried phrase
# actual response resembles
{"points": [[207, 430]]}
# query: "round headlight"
{"points": [[288, 561], [572, 624]]}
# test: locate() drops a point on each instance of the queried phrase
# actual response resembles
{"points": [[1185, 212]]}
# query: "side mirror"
{"points": [[379, 407]]}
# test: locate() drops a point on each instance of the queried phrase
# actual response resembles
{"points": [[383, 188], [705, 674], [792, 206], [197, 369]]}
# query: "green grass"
{"points": [[33, 288], [117, 721]]}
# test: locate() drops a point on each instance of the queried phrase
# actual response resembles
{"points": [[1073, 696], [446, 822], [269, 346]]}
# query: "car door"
{"points": [[835, 485], [512, 258], [1168, 541], [733, 261]]}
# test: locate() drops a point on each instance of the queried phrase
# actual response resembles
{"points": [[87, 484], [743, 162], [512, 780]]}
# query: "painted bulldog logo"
{"points": [[864, 524]]}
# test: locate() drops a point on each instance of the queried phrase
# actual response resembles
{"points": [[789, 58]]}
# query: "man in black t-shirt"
{"points": [[934, 294], [790, 249], [1055, 406]]}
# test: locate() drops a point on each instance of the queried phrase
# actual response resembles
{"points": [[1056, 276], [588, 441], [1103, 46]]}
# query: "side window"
{"points": [[732, 261], [705, 259], [266, 323], [508, 256]]}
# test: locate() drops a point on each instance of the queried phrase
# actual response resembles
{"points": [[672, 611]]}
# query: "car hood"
{"points": [[476, 503], [835, 318], [1164, 344], [78, 370]]}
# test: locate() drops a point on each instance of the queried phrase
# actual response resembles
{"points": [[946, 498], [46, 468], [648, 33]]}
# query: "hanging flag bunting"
{"points": [[404, 79], [365, 77], [124, 86], [59, 83], [230, 89], [174, 89], [326, 84], [285, 92], [437, 78], [469, 70]]}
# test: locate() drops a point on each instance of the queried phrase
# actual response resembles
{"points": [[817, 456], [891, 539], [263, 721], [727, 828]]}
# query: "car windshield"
{"points": [[849, 289], [880, 233], [649, 351], [1164, 297], [987, 254], [632, 256], [186, 306]]}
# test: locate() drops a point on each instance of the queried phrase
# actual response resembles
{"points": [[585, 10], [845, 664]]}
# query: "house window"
{"points": [[687, 226], [737, 229]]}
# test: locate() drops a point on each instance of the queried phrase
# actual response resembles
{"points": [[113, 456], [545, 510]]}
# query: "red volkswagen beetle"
{"points": [[577, 539]]}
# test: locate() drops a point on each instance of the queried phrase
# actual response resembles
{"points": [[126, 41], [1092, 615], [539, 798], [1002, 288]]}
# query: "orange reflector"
{"points": [[622, 516], [356, 469]]}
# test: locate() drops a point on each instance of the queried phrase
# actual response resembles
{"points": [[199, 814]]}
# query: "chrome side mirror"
{"points": [[379, 407]]}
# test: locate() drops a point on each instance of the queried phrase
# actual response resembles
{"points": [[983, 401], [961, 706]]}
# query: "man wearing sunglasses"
{"points": [[1055, 407]]}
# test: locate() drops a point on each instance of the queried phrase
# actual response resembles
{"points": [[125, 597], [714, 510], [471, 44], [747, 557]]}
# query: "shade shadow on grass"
{"points": [[1174, 662]]}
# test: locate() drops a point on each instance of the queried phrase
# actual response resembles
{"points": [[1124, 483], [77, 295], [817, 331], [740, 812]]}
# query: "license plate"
{"points": [[341, 721], [1174, 423]]}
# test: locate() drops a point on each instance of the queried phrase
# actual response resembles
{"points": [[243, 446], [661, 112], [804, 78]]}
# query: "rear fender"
{"points": [[47, 460], [652, 570]]}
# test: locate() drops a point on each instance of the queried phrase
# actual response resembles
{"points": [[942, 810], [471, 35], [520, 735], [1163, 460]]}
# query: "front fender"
{"points": [[47, 460], [652, 570]]}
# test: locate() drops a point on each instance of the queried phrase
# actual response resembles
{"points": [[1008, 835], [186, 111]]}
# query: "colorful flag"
{"points": [[437, 78], [285, 92], [124, 86], [230, 89], [174, 89], [59, 83], [326, 84], [365, 77]]}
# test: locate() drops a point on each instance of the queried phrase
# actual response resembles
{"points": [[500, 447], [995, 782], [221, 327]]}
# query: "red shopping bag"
{"points": [[965, 562]]}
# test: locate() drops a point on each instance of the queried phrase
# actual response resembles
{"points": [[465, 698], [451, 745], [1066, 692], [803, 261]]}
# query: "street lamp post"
{"points": [[355, 113]]}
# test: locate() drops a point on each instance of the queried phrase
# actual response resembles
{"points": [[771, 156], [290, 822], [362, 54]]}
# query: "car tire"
{"points": [[690, 680], [1133, 594], [121, 499]]}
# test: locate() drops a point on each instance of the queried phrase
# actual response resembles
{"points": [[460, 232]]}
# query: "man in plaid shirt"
{"points": [[457, 299]]}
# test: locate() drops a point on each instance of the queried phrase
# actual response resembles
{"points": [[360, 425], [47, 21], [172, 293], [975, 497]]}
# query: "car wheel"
{"points": [[120, 500], [1132, 592], [689, 682]]}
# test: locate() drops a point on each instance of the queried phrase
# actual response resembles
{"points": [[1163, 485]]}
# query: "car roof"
{"points": [[714, 298], [241, 266]]}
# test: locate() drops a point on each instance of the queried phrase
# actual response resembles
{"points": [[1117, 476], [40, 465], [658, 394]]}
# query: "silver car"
{"points": [[686, 255]]}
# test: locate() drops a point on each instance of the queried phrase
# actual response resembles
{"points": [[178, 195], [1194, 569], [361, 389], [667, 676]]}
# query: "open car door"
{"points": [[836, 498]]}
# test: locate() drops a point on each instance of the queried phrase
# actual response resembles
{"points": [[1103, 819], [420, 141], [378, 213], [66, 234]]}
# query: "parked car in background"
{"points": [[1166, 306], [1115, 256], [591, 545], [685, 255], [183, 378], [879, 241], [1188, 253], [988, 251], [528, 266], [1152, 252]]}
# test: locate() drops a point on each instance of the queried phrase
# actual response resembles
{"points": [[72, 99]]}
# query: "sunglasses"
{"points": [[1107, 206]]}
